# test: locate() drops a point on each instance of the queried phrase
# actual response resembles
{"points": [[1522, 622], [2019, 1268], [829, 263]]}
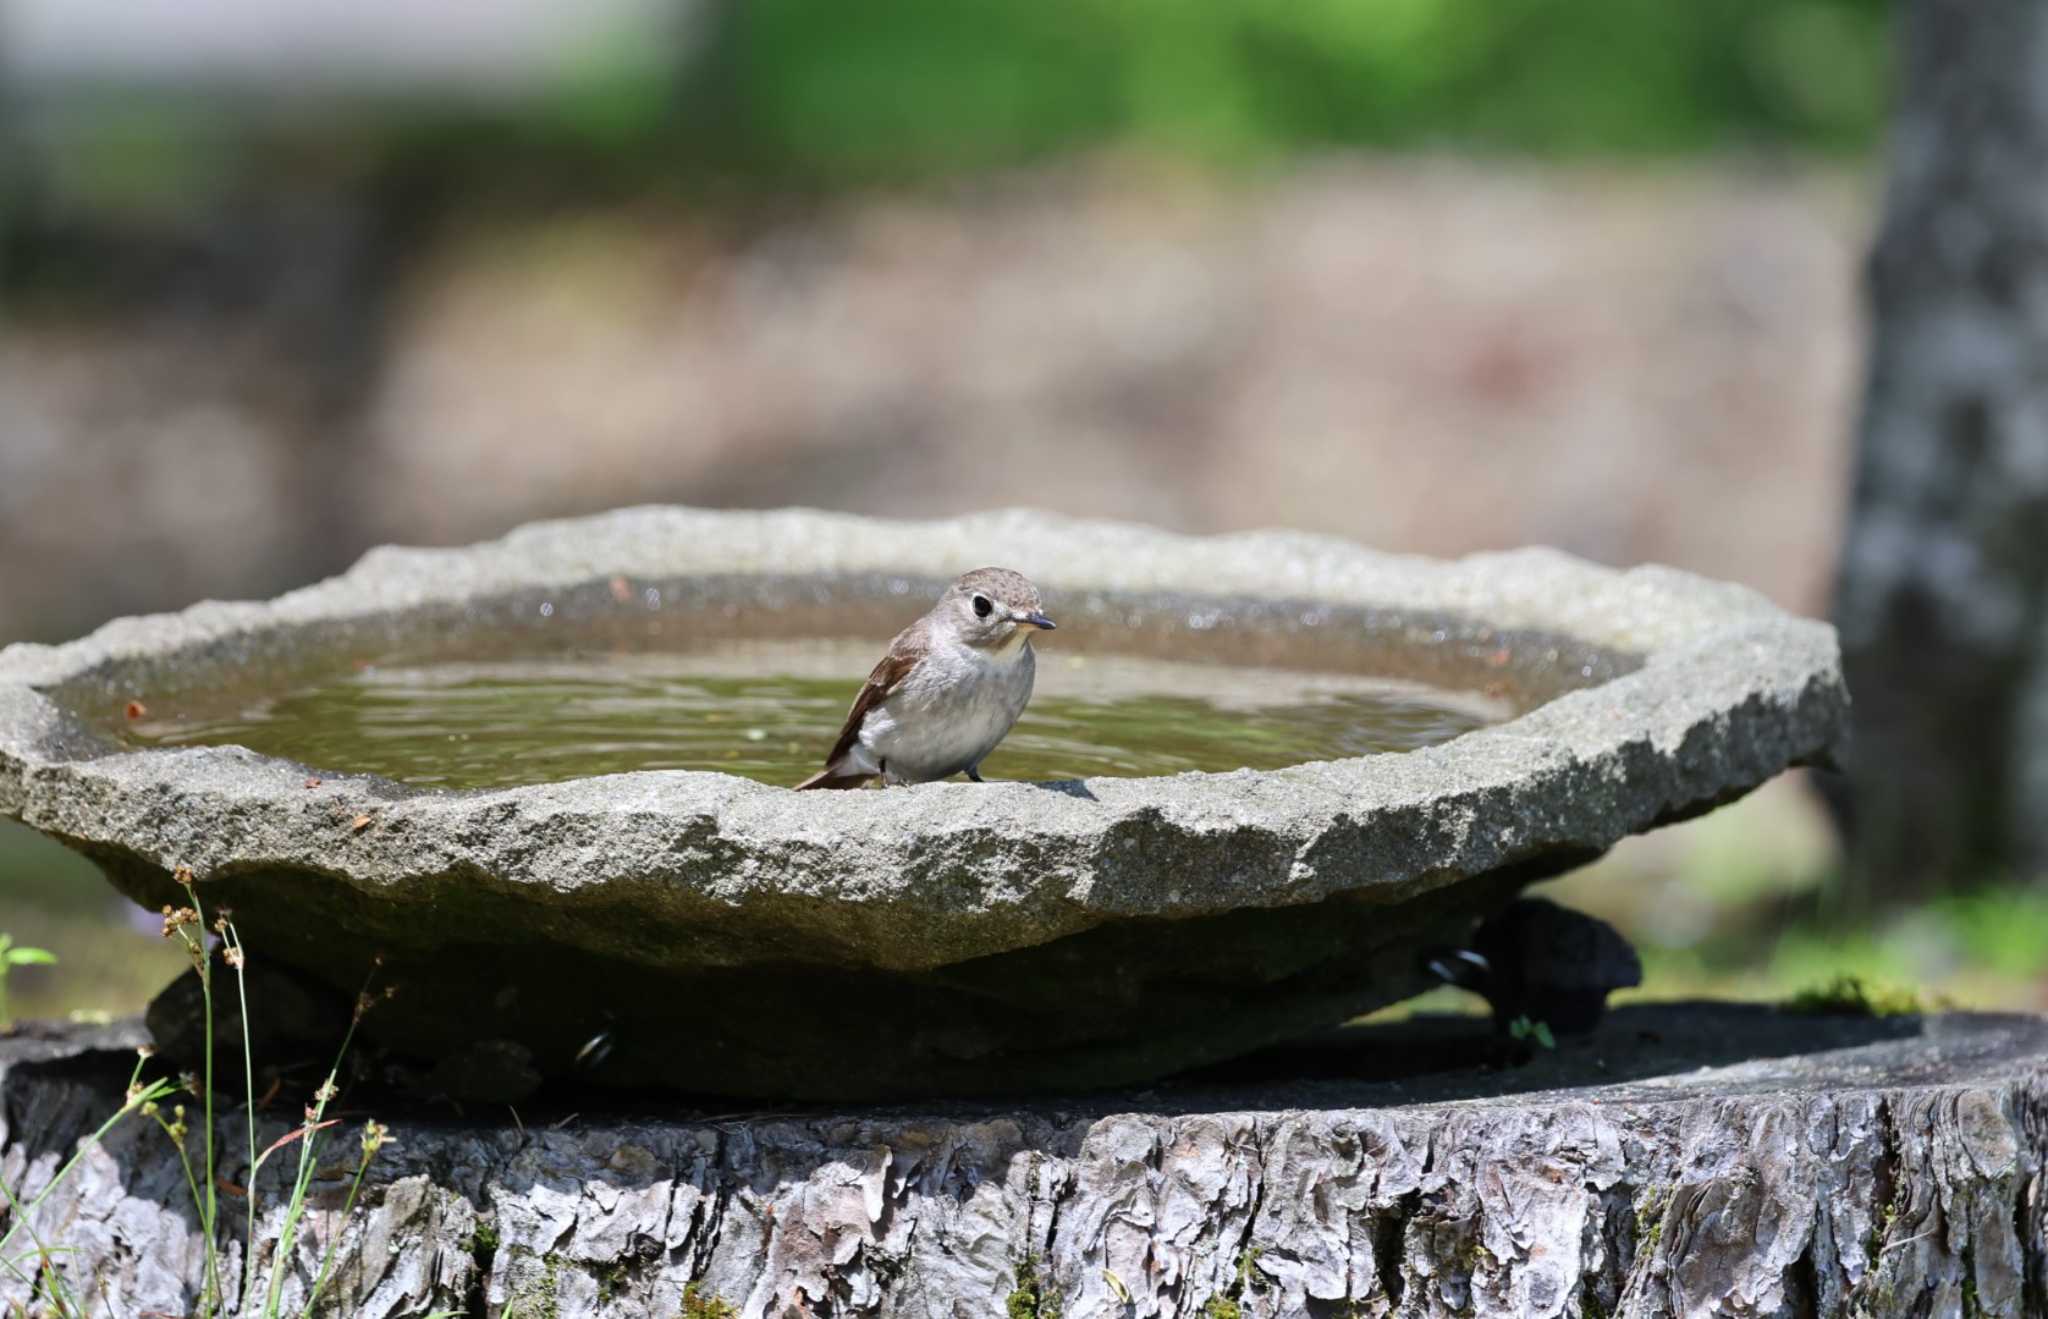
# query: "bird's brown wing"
{"points": [[902, 656]]}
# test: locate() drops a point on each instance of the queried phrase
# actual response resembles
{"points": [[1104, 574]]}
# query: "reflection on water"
{"points": [[770, 712]]}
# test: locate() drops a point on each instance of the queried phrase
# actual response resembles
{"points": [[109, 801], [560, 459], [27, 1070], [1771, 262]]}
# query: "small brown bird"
{"points": [[950, 688]]}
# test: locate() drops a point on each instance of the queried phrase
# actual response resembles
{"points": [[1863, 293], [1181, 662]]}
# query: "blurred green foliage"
{"points": [[1984, 949], [1847, 995], [828, 92], [773, 96], [916, 86], [54, 899]]}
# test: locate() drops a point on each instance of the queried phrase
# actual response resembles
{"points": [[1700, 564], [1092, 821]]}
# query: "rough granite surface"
{"points": [[927, 939]]}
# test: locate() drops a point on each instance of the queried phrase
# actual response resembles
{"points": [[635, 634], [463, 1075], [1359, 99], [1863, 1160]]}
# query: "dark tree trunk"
{"points": [[1942, 598]]}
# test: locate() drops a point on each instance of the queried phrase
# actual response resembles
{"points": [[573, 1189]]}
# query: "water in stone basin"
{"points": [[770, 710]]}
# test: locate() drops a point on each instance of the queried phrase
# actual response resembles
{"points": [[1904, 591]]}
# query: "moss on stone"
{"points": [[698, 1304], [1032, 1297], [1650, 1218]]}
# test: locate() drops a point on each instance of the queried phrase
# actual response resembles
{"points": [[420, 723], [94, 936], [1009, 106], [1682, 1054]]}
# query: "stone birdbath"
{"points": [[604, 884], [703, 932]]}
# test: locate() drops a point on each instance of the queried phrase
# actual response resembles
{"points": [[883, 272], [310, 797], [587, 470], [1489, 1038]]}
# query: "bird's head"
{"points": [[994, 609]]}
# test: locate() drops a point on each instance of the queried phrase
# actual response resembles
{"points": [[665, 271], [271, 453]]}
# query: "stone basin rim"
{"points": [[1730, 691]]}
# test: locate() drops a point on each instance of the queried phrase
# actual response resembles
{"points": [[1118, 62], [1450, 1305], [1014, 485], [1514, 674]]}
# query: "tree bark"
{"points": [[1942, 598], [1611, 1177]]}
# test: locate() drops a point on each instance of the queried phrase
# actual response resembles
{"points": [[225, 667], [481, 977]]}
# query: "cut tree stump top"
{"points": [[1687, 1158]]}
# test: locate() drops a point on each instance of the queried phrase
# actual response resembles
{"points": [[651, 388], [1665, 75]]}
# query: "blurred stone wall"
{"points": [[1421, 355]]}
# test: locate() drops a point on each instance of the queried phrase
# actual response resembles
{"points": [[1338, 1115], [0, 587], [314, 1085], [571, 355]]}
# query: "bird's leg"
{"points": [[974, 773]]}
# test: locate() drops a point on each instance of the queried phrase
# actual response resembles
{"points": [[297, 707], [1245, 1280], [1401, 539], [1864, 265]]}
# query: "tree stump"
{"points": [[1684, 1159]]}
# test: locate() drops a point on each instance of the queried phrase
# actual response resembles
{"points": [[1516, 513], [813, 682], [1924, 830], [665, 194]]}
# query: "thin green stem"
{"points": [[190, 926], [295, 1209], [184, 1159], [334, 1239], [6, 942], [54, 1287], [232, 938], [137, 1097], [211, 1212], [23, 1278], [38, 1250]]}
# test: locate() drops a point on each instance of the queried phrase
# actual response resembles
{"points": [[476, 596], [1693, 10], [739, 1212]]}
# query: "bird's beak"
{"points": [[1039, 621]]}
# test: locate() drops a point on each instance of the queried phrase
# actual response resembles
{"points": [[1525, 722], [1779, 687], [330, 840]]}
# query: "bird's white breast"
{"points": [[948, 712]]}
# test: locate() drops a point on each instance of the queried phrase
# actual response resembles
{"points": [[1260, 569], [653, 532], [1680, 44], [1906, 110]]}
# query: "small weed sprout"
{"points": [[1532, 1032], [12, 955]]}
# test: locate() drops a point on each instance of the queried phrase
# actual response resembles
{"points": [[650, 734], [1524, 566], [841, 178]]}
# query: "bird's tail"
{"points": [[825, 778]]}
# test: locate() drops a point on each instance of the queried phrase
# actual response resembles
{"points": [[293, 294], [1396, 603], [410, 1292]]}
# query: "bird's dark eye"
{"points": [[982, 606]]}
